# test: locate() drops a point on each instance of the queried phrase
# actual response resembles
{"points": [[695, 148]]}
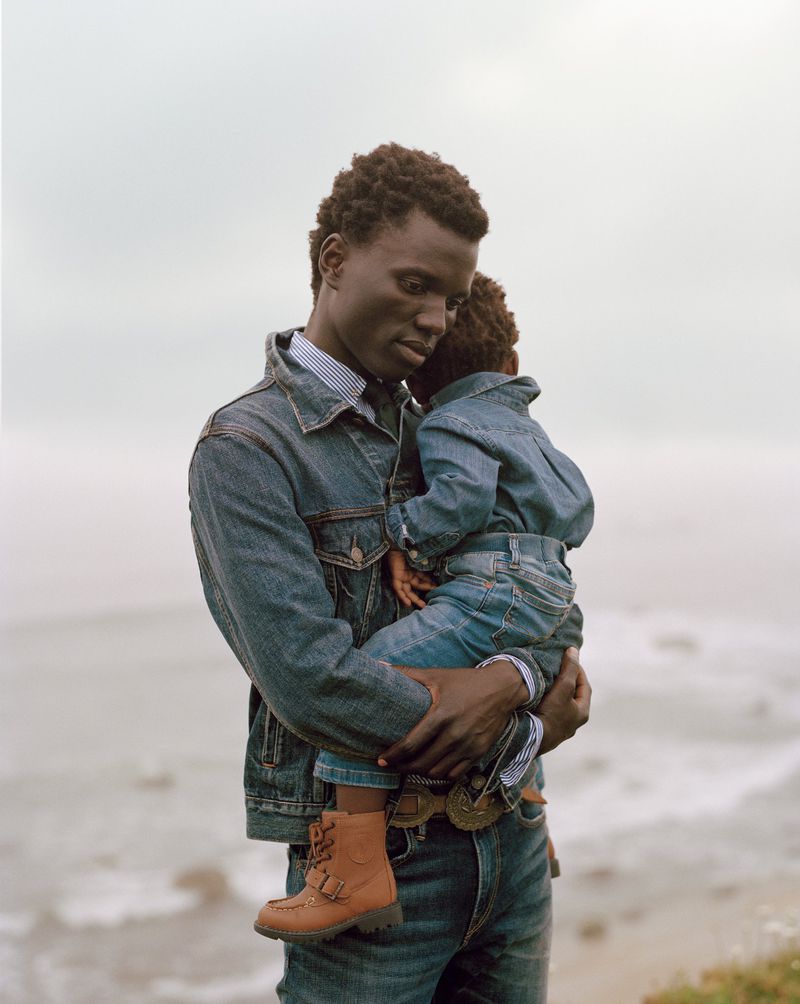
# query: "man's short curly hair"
{"points": [[383, 187], [481, 340]]}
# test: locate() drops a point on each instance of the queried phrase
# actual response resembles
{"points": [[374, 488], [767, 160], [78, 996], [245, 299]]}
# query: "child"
{"points": [[501, 509]]}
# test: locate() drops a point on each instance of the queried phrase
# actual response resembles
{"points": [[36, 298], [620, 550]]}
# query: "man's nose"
{"points": [[433, 317]]}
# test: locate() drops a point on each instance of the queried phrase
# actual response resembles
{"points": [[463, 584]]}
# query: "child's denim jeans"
{"points": [[497, 591]]}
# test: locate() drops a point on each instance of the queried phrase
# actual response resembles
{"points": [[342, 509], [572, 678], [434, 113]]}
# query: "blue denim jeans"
{"points": [[497, 591], [477, 922]]}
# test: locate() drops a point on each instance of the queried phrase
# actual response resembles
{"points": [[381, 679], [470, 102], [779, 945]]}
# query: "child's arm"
{"points": [[407, 582], [461, 471]]}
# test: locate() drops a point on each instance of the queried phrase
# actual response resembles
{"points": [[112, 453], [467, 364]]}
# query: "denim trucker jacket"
{"points": [[288, 491]]}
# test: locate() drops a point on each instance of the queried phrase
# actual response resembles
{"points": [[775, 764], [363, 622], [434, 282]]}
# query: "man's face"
{"points": [[393, 299]]}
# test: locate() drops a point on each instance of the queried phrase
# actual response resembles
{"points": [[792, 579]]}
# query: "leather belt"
{"points": [[418, 804]]}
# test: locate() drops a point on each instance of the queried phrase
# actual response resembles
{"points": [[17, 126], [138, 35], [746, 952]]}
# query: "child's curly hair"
{"points": [[384, 187], [481, 340]]}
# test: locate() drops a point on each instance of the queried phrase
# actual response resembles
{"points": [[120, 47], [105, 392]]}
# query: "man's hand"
{"points": [[469, 710], [565, 707]]}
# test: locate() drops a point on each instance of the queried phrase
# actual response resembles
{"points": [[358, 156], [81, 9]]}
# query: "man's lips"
{"points": [[416, 351]]}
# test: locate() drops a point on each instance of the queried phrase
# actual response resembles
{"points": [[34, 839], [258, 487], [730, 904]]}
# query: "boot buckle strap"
{"points": [[329, 885]]}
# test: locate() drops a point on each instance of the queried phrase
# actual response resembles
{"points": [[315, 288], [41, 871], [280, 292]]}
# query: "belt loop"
{"points": [[513, 543]]}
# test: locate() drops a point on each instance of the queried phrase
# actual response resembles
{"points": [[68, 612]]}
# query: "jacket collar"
{"points": [[515, 392], [313, 402]]}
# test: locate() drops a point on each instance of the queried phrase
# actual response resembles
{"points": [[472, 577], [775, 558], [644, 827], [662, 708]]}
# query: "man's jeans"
{"points": [[477, 922], [493, 596]]}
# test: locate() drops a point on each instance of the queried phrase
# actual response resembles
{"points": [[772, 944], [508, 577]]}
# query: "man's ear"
{"points": [[511, 365], [332, 255]]}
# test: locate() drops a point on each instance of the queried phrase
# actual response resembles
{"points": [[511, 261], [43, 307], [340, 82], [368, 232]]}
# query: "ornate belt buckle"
{"points": [[464, 815], [426, 804]]}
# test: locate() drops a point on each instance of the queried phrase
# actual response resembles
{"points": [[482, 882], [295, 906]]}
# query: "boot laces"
{"points": [[321, 843]]}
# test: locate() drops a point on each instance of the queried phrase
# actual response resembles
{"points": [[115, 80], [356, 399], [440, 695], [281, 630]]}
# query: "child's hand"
{"points": [[407, 581]]}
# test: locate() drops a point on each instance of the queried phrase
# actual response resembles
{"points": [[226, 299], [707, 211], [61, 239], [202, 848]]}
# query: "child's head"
{"points": [[481, 340]]}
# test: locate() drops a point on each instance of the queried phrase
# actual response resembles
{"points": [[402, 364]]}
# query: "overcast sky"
{"points": [[639, 162], [163, 162]]}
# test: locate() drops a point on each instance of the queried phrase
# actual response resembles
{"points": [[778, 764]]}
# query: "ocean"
{"points": [[126, 873]]}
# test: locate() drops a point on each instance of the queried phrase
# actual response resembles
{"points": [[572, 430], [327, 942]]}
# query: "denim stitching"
{"points": [[477, 923]]}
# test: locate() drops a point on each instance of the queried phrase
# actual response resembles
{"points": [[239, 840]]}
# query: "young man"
{"points": [[289, 485]]}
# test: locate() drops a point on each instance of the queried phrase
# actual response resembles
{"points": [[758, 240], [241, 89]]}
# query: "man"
{"points": [[288, 487]]}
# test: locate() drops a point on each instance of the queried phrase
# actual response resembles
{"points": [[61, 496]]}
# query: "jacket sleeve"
{"points": [[461, 471], [266, 590]]}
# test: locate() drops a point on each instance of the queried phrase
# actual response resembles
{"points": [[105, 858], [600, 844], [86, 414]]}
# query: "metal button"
{"points": [[356, 553], [478, 782], [413, 554]]}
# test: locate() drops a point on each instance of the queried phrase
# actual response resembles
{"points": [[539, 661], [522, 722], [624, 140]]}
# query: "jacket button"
{"points": [[357, 554], [478, 782], [413, 554]]}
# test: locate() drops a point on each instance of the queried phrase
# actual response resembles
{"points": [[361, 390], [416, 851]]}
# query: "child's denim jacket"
{"points": [[288, 491], [489, 468]]}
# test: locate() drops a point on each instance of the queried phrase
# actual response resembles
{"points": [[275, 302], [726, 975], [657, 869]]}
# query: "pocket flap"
{"points": [[349, 538]]}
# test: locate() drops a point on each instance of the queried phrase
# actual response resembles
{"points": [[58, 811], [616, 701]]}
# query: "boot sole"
{"points": [[375, 920]]}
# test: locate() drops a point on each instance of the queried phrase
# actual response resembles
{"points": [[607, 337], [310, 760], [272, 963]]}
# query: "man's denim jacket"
{"points": [[288, 487]]}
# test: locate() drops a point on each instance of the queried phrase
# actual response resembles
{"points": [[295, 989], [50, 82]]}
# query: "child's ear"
{"points": [[511, 365]]}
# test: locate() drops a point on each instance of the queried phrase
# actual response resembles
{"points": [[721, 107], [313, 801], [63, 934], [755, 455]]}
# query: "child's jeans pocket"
{"points": [[538, 605]]}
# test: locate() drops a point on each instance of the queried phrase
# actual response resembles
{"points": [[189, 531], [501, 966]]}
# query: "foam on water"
{"points": [[221, 991], [135, 722], [111, 897]]}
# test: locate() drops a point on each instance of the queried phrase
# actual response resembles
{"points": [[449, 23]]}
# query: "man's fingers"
{"points": [[583, 695], [437, 761], [419, 675], [411, 745], [570, 666], [423, 733]]}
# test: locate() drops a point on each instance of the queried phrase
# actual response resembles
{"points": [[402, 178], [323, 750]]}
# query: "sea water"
{"points": [[126, 874]]}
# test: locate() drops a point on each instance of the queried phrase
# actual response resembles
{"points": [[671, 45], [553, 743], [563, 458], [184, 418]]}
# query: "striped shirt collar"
{"points": [[343, 381]]}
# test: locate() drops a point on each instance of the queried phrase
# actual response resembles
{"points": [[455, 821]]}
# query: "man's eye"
{"points": [[413, 285], [455, 302]]}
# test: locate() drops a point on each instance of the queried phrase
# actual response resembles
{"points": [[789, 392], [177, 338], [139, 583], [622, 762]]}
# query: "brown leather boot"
{"points": [[349, 883]]}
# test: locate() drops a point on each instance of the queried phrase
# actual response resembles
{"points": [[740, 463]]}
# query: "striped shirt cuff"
{"points": [[522, 760], [524, 671]]}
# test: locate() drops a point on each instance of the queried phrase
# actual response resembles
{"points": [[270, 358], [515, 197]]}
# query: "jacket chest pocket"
{"points": [[349, 545]]}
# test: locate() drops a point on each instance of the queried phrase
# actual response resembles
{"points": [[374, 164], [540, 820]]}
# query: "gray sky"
{"points": [[164, 161]]}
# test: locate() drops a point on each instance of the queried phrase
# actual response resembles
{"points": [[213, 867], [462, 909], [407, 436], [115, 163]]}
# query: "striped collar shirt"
{"points": [[335, 375]]}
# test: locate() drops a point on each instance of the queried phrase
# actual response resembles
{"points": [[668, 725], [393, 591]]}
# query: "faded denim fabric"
{"points": [[496, 591], [289, 487], [489, 468], [477, 922]]}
